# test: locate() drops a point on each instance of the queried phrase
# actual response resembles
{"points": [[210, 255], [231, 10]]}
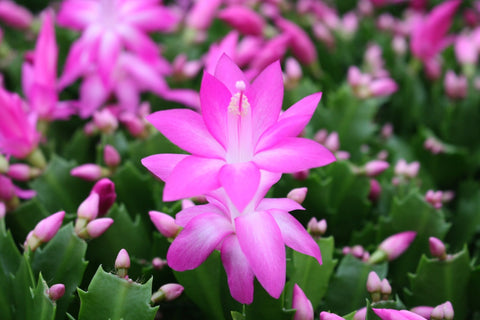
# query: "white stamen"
{"points": [[240, 85]]}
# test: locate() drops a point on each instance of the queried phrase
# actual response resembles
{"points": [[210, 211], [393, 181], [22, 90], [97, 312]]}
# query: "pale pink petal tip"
{"points": [[97, 227], [88, 209], [123, 260], [165, 224], [303, 306], [298, 194], [324, 315], [48, 227]]}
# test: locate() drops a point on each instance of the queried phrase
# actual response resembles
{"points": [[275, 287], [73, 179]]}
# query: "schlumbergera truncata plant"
{"points": [[244, 160]]}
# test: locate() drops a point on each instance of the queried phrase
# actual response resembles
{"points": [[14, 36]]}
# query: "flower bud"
{"points": [[56, 291], [19, 171], [393, 246], [167, 292], [7, 188], [298, 194], [44, 231], [111, 156], [201, 15], [374, 286], [165, 224], [243, 19], [105, 189], [375, 167], [105, 121], [134, 125], [293, 69], [324, 315], [122, 263], [97, 227], [303, 306], [302, 46], [361, 314], [437, 248], [423, 311], [386, 289], [14, 15], [375, 190], [456, 87], [317, 228], [383, 87], [357, 251], [3, 210], [89, 172], [88, 209], [434, 198], [158, 263], [301, 175], [332, 142]]}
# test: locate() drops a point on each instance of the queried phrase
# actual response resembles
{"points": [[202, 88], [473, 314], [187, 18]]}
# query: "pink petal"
{"points": [[291, 122], [266, 96], [285, 204], [214, 100], [108, 52], [77, 63], [197, 241], [391, 314], [262, 243], [192, 176], [187, 130], [93, 94], [295, 236], [152, 19], [183, 217], [240, 181], [240, 275], [138, 42], [229, 73], [77, 14], [186, 97], [46, 52], [142, 73], [161, 165], [293, 155]]}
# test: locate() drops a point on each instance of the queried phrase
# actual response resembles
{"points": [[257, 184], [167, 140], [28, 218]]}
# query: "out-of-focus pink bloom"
{"points": [[187, 203], [45, 230], [303, 307], [104, 119], [433, 145], [105, 189], [399, 45], [97, 227], [20, 171], [387, 130], [158, 263], [274, 49], [298, 194], [88, 171], [423, 311], [324, 315], [247, 49], [375, 167], [385, 22], [383, 87], [202, 14], [456, 87], [393, 246], [15, 15], [386, 289], [402, 168], [300, 43], [391, 314], [18, 133], [429, 37], [466, 50], [108, 27], [301, 175], [374, 284], [111, 157], [348, 25], [332, 142], [433, 68], [243, 19], [56, 291], [184, 69], [443, 311], [434, 198], [375, 190], [239, 133], [324, 34], [293, 72], [165, 224]]}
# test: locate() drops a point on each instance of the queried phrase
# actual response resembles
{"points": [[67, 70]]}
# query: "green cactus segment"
{"points": [[43, 308], [110, 297], [62, 261], [312, 277], [267, 308], [438, 281], [347, 290]]}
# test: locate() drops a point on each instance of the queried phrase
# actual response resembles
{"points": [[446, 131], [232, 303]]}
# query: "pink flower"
{"points": [[429, 36], [239, 133], [18, 133], [105, 189], [251, 241], [391, 314], [302, 46], [14, 15], [243, 19]]}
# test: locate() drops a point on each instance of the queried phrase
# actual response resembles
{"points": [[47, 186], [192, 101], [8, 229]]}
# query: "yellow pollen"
{"points": [[235, 107]]}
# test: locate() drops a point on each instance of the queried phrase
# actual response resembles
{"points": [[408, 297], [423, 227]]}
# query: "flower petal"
{"points": [[183, 217], [163, 164], [197, 241], [284, 204], [108, 52], [239, 274], [240, 181], [186, 129], [295, 236], [229, 73], [293, 155], [192, 176], [262, 243]]}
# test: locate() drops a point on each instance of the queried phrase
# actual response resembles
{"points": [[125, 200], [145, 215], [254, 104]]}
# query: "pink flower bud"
{"points": [[383, 87], [361, 314], [111, 156], [321, 136], [158, 263], [332, 142], [387, 131], [105, 121], [293, 69], [134, 125], [386, 289], [342, 155], [323, 33], [357, 251], [317, 228], [123, 260], [19, 171], [374, 284], [300, 43], [56, 291], [298, 194], [201, 15], [346, 250], [456, 87], [412, 169], [7, 188], [448, 311], [164, 223], [243, 19], [385, 22], [396, 244], [399, 45], [423, 311], [47, 228], [171, 291], [105, 189], [390, 314], [88, 171], [301, 175], [303, 306], [88, 209], [354, 76], [187, 203], [14, 15], [375, 190], [375, 167], [324, 315], [437, 248], [434, 198], [97, 227]]}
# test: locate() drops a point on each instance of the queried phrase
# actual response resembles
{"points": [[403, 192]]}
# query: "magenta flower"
{"points": [[391, 314], [18, 133], [239, 133], [251, 241]]}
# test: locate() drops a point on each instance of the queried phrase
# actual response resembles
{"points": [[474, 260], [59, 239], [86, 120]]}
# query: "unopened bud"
{"points": [[375, 190], [321, 136], [317, 228], [375, 167], [111, 156], [105, 189], [158, 263], [303, 307], [386, 289], [44, 231], [97, 227], [89, 172], [423, 311], [437, 248], [324, 315], [357, 251], [56, 291], [165, 224], [361, 314], [88, 209], [387, 131], [19, 171], [332, 142], [374, 286], [122, 263], [301, 175], [298, 194], [167, 292], [392, 247], [105, 121]]}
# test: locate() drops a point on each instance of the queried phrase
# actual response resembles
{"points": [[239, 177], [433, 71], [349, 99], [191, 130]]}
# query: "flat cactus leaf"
{"points": [[43, 308], [110, 297], [62, 261], [267, 308], [347, 290], [437, 281]]}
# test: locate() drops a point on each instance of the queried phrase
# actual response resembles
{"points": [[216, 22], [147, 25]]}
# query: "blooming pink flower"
{"points": [[15, 15], [391, 314], [251, 241], [239, 133]]}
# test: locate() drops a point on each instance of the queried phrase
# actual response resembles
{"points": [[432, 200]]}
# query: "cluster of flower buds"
{"points": [[90, 222], [94, 172], [379, 289], [443, 311], [438, 198], [434, 145], [456, 87], [357, 251], [332, 142], [44, 231], [317, 228], [158, 263], [405, 171], [392, 247], [165, 224], [365, 85]]}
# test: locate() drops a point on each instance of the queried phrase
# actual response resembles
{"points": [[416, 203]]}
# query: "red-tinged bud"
{"points": [[392, 247], [298, 194], [122, 263], [111, 156], [89, 172], [303, 306], [301, 175], [105, 189], [44, 231], [56, 291], [167, 292], [97, 227], [165, 224], [361, 314], [324, 315], [88, 209], [244, 19], [375, 190], [158, 263], [434, 198], [105, 121], [437, 248], [14, 15], [374, 286], [423, 311], [375, 167]]}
